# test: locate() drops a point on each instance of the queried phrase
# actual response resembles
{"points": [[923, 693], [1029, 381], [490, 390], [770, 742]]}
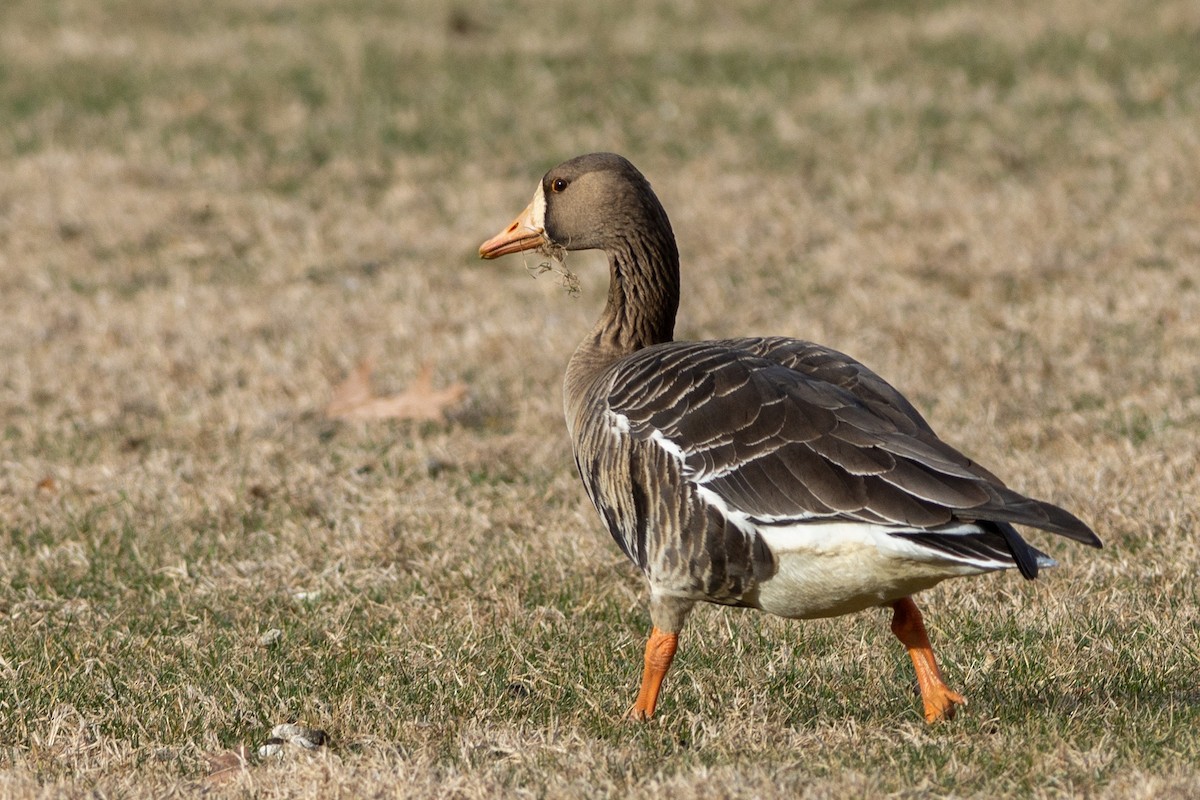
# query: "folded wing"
{"points": [[780, 432]]}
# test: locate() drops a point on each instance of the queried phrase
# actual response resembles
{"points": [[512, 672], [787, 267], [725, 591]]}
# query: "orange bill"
{"points": [[523, 233]]}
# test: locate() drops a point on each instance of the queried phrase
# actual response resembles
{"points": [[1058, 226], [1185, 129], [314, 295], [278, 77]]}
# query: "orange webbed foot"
{"points": [[941, 703]]}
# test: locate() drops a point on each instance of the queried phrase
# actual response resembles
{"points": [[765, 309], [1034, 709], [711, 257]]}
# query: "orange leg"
{"points": [[939, 700], [660, 650]]}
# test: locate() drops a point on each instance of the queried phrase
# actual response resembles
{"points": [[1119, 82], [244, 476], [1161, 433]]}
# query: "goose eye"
{"points": [[558, 185]]}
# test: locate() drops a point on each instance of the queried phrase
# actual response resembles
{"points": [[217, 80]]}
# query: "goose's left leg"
{"points": [[667, 615], [940, 701]]}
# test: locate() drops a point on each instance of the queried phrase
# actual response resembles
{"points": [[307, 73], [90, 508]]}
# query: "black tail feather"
{"points": [[1023, 554]]}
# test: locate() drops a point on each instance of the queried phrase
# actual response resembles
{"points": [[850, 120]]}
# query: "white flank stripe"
{"points": [[618, 423], [739, 518], [666, 444], [818, 537]]}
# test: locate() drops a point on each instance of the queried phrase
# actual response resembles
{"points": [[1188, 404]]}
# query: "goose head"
{"points": [[597, 201]]}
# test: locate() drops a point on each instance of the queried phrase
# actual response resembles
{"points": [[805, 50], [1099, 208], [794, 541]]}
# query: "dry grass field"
{"points": [[211, 212]]}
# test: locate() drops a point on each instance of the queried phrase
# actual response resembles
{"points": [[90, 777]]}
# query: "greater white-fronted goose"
{"points": [[771, 473]]}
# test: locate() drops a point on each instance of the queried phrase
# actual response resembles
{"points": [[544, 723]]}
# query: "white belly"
{"points": [[835, 568]]}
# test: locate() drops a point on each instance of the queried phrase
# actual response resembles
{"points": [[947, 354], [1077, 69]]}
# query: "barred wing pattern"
{"points": [[778, 432]]}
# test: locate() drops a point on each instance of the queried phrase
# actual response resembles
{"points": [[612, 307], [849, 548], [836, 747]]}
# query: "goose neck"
{"points": [[643, 295]]}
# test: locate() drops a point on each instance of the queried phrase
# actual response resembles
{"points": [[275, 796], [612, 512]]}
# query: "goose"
{"points": [[768, 472]]}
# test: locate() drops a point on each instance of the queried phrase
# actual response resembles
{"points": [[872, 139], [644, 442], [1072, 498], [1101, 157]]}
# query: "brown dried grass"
{"points": [[210, 214]]}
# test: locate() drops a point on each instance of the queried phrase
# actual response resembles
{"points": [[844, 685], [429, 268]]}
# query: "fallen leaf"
{"points": [[352, 393], [353, 399], [48, 485]]}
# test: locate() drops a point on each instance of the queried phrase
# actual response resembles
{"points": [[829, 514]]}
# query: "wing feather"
{"points": [[780, 429]]}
